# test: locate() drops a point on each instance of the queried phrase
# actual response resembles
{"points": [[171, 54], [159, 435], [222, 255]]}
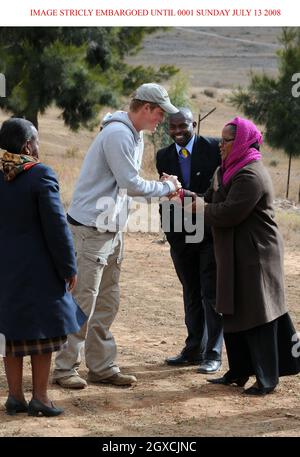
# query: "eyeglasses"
{"points": [[226, 140]]}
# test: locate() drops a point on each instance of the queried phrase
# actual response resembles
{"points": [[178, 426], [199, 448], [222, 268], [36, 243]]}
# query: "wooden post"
{"points": [[288, 177], [201, 119]]}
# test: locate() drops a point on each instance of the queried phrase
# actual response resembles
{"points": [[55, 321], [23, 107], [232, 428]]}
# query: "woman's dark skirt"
{"points": [[268, 352], [22, 348]]}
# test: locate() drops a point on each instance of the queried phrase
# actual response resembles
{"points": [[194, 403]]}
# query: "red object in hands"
{"points": [[181, 194]]}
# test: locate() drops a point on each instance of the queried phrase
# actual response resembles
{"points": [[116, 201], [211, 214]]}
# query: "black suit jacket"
{"points": [[205, 159]]}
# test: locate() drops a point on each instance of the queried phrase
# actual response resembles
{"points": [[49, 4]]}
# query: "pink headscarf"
{"points": [[241, 153]]}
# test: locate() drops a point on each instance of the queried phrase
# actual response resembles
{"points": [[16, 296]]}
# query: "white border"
{"points": [[18, 13]]}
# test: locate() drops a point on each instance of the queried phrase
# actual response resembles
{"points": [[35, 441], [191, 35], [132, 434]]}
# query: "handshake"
{"points": [[173, 179], [193, 203]]}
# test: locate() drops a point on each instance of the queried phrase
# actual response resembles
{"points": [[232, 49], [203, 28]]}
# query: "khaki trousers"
{"points": [[99, 257]]}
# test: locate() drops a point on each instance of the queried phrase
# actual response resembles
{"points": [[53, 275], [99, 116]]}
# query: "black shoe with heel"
{"points": [[37, 408], [13, 406], [227, 381]]}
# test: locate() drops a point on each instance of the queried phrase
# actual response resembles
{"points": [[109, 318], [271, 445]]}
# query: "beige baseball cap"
{"points": [[155, 93]]}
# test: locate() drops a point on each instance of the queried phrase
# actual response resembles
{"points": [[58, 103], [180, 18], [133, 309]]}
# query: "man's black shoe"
{"points": [[182, 359], [226, 381], [259, 391], [209, 366]]}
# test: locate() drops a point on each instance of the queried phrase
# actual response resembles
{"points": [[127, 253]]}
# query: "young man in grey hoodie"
{"points": [[97, 214]]}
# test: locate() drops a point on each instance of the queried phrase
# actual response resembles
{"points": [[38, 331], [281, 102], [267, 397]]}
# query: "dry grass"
{"points": [[289, 225], [279, 173]]}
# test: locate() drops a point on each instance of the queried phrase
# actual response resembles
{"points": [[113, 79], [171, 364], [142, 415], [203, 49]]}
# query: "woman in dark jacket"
{"points": [[259, 334], [37, 267]]}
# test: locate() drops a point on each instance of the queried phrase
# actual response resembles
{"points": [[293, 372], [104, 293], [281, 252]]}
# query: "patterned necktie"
{"points": [[184, 153], [185, 165]]}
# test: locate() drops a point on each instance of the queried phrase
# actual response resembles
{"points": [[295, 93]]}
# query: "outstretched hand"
{"points": [[173, 179], [193, 203]]}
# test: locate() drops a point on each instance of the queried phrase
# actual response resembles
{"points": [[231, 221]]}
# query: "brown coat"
{"points": [[248, 248]]}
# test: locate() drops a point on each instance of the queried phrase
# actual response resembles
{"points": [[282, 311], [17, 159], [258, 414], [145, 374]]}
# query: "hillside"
{"points": [[214, 56]]}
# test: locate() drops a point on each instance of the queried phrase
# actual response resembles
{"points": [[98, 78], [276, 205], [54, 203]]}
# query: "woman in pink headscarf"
{"points": [[259, 335]]}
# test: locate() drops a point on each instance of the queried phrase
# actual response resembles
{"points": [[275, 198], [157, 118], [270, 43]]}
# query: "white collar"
{"points": [[188, 146]]}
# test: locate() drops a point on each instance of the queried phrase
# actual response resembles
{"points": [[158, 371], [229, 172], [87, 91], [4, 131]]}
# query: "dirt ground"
{"points": [[166, 401]]}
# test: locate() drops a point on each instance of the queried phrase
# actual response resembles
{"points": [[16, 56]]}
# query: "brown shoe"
{"points": [[117, 379], [71, 382]]}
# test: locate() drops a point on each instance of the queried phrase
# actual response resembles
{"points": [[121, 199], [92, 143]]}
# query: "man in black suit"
{"points": [[194, 159]]}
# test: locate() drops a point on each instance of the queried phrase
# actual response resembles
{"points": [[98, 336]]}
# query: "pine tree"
{"points": [[79, 69], [275, 102]]}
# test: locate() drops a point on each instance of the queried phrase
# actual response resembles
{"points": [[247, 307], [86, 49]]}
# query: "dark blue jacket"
{"points": [[36, 256]]}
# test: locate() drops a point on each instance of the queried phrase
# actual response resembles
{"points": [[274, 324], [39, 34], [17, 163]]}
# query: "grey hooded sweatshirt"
{"points": [[109, 174]]}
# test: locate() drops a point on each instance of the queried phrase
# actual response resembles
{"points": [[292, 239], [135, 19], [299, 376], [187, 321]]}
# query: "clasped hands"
{"points": [[178, 196]]}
